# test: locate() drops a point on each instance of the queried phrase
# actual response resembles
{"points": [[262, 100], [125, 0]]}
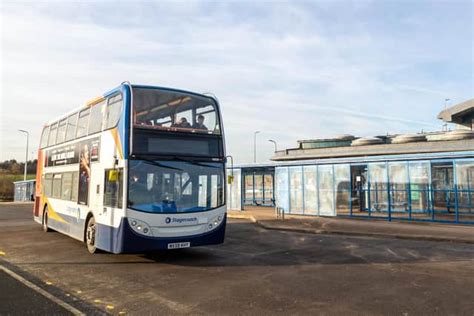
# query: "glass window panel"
{"points": [[52, 134], [281, 188], [326, 190], [113, 111], [61, 132], [258, 187], [398, 176], [342, 187], [268, 188], [442, 182], [202, 200], [310, 190], [214, 189], [71, 126], [96, 118], [83, 123], [75, 186], [465, 188], [57, 186], [48, 184], [378, 189], [296, 190], [420, 189], [113, 188], [44, 137], [249, 188], [66, 186], [175, 111]]}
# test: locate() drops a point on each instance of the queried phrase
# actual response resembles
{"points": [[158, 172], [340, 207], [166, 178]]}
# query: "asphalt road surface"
{"points": [[256, 271]]}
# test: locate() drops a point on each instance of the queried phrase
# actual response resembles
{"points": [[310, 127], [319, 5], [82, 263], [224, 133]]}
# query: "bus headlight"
{"points": [[139, 226], [216, 221]]}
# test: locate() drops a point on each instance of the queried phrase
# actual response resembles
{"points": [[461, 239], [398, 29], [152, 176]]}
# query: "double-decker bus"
{"points": [[138, 169]]}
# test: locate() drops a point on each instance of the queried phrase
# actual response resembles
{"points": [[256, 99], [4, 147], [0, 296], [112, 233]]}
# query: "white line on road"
{"points": [[42, 292]]}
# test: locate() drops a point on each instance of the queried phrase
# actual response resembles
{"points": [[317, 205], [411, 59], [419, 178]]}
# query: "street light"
{"points": [[26, 158], [274, 143], [445, 125], [255, 146]]}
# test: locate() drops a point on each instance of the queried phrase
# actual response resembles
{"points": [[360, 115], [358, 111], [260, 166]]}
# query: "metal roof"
{"points": [[452, 113]]}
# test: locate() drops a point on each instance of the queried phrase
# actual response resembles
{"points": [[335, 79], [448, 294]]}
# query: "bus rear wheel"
{"points": [[45, 220], [90, 235]]}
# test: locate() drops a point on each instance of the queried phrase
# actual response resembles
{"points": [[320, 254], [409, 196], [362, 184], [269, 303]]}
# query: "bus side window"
{"points": [[44, 137], [96, 118], [48, 182], [52, 134], [83, 123], [113, 111], [71, 126], [113, 188], [75, 186]]}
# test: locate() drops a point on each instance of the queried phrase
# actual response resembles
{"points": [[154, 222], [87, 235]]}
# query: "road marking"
{"points": [[2, 253], [42, 292], [109, 307]]}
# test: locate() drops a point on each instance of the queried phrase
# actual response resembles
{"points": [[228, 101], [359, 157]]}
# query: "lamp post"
{"points": [[26, 156], [274, 143], [445, 125], [255, 146]]}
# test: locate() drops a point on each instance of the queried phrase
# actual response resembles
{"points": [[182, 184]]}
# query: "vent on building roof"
{"points": [[344, 137], [408, 138], [458, 134], [366, 141]]}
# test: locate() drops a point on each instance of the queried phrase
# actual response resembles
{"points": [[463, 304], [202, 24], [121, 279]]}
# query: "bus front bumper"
{"points": [[124, 240]]}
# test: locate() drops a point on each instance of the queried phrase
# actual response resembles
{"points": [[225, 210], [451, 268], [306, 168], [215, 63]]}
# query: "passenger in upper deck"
{"points": [[200, 123], [183, 123]]}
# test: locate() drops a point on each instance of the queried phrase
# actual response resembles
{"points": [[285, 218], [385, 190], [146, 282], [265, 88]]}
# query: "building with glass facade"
{"points": [[422, 177]]}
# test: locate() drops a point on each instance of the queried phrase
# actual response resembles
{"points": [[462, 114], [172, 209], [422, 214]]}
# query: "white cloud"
{"points": [[292, 71]]}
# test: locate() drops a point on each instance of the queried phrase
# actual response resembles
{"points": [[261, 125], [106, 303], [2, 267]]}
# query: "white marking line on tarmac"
{"points": [[42, 292]]}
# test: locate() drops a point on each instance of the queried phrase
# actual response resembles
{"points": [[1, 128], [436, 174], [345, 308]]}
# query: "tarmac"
{"points": [[267, 218]]}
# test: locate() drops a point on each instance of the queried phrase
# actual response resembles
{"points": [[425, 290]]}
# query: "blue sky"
{"points": [[293, 70]]}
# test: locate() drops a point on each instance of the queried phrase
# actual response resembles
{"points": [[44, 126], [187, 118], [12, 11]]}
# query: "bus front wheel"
{"points": [[45, 220], [90, 235]]}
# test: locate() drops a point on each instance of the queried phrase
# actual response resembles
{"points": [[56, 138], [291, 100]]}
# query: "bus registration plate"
{"points": [[177, 245]]}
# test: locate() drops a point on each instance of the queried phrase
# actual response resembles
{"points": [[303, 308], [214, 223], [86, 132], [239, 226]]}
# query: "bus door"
{"points": [[113, 190]]}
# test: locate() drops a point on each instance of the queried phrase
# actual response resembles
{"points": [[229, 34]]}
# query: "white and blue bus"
{"points": [[138, 169]]}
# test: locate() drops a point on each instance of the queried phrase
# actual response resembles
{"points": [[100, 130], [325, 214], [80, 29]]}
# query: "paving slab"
{"points": [[267, 218]]}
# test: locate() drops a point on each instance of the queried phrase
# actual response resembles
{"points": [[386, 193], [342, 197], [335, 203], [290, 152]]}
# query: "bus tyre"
{"points": [[90, 235], [45, 220]]}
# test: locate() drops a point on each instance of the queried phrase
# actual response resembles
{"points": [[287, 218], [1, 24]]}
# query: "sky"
{"points": [[291, 70]]}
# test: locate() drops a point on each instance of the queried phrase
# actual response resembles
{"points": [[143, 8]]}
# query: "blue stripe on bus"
{"points": [[124, 240], [124, 126]]}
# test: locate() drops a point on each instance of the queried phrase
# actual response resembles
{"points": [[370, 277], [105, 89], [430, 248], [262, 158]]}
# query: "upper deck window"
{"points": [[44, 137], [71, 126], [83, 123], [61, 132], [113, 111], [52, 134], [96, 118], [174, 111]]}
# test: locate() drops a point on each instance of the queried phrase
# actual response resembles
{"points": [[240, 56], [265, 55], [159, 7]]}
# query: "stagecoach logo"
{"points": [[187, 220]]}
